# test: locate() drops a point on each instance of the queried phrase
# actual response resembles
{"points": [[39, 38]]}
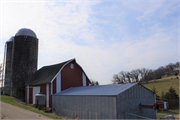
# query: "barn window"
{"points": [[71, 66]]}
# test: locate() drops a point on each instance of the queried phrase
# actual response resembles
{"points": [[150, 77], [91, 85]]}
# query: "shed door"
{"points": [[36, 90], [165, 105]]}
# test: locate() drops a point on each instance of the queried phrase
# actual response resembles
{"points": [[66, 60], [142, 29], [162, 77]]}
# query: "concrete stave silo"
{"points": [[8, 70], [23, 61]]}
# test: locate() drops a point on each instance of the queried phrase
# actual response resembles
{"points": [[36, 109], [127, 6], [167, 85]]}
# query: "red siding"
{"points": [[50, 96], [161, 104], [43, 89], [71, 77], [30, 95], [54, 86], [87, 82]]}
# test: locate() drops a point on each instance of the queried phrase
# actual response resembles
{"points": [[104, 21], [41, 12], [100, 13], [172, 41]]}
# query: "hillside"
{"points": [[164, 84]]}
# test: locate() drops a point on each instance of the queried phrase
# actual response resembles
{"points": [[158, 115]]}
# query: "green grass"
{"points": [[164, 84], [165, 113], [15, 102]]}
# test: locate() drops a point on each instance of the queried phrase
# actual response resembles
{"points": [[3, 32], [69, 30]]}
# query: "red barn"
{"points": [[55, 78], [162, 104]]}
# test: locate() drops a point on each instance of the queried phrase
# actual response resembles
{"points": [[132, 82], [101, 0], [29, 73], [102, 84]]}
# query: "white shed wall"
{"points": [[85, 107]]}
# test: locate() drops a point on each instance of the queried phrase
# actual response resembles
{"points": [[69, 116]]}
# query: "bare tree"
{"points": [[135, 75], [177, 65], [117, 79], [122, 75], [145, 74], [94, 83], [170, 67], [128, 76]]}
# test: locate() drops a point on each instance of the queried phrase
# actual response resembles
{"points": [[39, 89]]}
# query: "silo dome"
{"points": [[25, 31], [11, 39]]}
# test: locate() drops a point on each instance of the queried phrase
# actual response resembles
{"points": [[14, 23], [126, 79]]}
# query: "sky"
{"points": [[104, 36]]}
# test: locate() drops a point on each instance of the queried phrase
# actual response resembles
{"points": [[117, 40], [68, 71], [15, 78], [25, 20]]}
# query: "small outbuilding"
{"points": [[55, 78], [121, 101], [162, 104]]}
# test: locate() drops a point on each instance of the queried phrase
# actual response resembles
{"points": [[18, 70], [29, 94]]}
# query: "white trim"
{"points": [[84, 73], [28, 94], [36, 90], [58, 83], [51, 88], [84, 79], [61, 69], [47, 95]]}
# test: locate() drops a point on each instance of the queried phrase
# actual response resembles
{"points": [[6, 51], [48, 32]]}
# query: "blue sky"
{"points": [[104, 36]]}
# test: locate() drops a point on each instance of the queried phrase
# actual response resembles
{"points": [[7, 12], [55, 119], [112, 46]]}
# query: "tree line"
{"points": [[144, 74]]}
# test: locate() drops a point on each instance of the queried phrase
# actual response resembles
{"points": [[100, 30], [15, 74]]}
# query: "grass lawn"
{"points": [[169, 112], [164, 84], [15, 102]]}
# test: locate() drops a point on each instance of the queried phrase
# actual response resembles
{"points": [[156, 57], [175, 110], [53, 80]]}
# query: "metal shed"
{"points": [[105, 102]]}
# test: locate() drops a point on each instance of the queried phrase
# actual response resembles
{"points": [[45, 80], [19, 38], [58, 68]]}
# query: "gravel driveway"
{"points": [[12, 112]]}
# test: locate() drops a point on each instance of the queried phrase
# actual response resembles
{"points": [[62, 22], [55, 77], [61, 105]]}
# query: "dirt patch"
{"points": [[177, 116]]}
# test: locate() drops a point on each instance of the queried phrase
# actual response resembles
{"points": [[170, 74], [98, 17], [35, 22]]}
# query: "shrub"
{"points": [[176, 74]]}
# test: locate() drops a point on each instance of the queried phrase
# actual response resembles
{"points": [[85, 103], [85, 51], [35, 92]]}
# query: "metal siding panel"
{"points": [[106, 105], [135, 91], [139, 92], [47, 95], [123, 95], [126, 94], [130, 93], [118, 104]]}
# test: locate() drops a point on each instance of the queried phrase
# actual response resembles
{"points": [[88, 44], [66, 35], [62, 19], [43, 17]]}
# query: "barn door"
{"points": [[36, 90]]}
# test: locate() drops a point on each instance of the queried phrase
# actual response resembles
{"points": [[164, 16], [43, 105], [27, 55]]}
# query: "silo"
{"points": [[24, 64], [8, 67]]}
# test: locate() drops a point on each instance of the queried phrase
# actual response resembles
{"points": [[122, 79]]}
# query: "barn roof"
{"points": [[97, 90], [46, 74]]}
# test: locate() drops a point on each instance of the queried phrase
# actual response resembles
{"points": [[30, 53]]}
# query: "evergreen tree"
{"points": [[173, 94], [162, 95], [155, 91], [172, 98]]}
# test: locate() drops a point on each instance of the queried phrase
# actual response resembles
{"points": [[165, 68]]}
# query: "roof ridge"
{"points": [[58, 63]]}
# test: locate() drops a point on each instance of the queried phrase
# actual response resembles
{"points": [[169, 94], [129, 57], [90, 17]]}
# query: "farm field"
{"points": [[164, 84]]}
